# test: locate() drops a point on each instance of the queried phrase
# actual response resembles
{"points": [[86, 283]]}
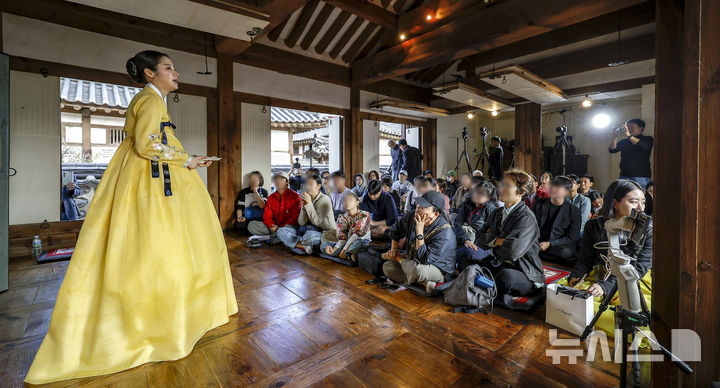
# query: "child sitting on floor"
{"points": [[352, 229]]}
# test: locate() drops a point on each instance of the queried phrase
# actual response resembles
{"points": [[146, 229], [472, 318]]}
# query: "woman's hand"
{"points": [[241, 219], [595, 290], [573, 281], [470, 245], [199, 161], [306, 198], [544, 245]]}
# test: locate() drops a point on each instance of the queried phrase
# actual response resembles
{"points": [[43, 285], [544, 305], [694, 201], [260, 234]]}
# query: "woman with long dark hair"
{"points": [[150, 273]]}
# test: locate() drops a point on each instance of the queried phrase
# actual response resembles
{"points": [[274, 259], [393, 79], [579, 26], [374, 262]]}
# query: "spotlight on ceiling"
{"points": [[586, 102], [428, 17], [402, 36], [471, 115], [601, 120], [494, 113]]}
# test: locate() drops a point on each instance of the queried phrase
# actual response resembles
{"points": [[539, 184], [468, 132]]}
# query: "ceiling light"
{"points": [[586, 102], [494, 113], [470, 115], [601, 120], [428, 17], [402, 36]]}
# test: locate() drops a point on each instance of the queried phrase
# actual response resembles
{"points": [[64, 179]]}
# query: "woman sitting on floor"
{"points": [[512, 236], [471, 222], [360, 186], [352, 229]]}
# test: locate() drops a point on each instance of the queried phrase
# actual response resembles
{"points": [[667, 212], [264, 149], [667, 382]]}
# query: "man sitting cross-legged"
{"points": [[430, 245], [559, 223], [281, 209], [316, 219], [381, 207]]}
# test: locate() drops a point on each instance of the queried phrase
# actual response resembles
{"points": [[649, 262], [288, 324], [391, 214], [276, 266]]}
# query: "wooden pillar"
{"points": [[528, 137], [213, 149], [429, 146], [686, 249], [86, 135], [353, 139], [226, 139]]}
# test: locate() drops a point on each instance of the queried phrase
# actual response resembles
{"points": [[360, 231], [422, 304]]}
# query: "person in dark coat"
{"points": [[68, 209], [430, 245], [471, 223], [412, 159], [620, 199], [559, 223], [396, 155], [512, 236], [496, 159]]}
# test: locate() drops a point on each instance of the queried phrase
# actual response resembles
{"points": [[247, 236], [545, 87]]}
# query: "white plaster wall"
{"points": [[371, 146], [189, 115], [255, 134]]}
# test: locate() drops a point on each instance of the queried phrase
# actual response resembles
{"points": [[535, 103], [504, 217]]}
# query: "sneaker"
{"points": [[254, 243], [430, 287], [309, 250], [257, 237]]}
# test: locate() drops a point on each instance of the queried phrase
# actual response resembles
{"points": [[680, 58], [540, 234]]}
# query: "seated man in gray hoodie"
{"points": [[316, 219], [430, 241]]}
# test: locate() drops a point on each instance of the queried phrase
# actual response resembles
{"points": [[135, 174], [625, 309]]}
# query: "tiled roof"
{"points": [[96, 93], [291, 118]]}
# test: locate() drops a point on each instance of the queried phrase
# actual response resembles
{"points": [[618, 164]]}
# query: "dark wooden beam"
{"points": [[436, 72], [391, 119], [359, 43], [229, 46], [345, 38], [354, 137], [634, 16], [301, 23], [236, 7], [274, 34], [228, 129], [528, 137], [398, 5], [257, 99], [429, 146], [371, 43], [316, 26], [414, 21], [616, 86], [385, 3], [441, 45], [290, 63], [401, 90], [368, 11], [332, 32]]}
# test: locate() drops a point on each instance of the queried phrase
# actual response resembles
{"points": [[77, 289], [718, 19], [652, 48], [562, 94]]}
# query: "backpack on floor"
{"points": [[371, 262], [466, 296]]}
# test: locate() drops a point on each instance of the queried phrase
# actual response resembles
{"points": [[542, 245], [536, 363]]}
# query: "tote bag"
{"points": [[568, 308]]}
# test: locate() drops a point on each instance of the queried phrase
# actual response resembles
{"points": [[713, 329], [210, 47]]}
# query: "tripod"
{"points": [[464, 154], [483, 154]]}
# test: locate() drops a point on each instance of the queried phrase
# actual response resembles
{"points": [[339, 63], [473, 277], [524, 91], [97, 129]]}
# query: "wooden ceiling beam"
{"points": [[345, 38], [359, 43], [398, 5], [319, 22], [414, 21], [628, 84], [637, 15], [436, 72], [332, 32], [237, 7], [401, 90], [285, 62], [371, 43], [368, 11], [274, 34], [301, 23], [513, 20], [280, 11]]}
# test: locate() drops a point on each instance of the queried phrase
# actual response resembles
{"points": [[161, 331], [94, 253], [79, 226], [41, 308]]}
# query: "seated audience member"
{"points": [[559, 223], [440, 186], [452, 184], [580, 201], [352, 230], [387, 187], [359, 188], [337, 196], [471, 223], [326, 183], [477, 173], [512, 236], [427, 174], [649, 197], [587, 181], [316, 219], [372, 175], [68, 208], [620, 199], [282, 209], [596, 201], [545, 181], [250, 202], [429, 257], [419, 189], [382, 208], [402, 186], [462, 191], [537, 193]]}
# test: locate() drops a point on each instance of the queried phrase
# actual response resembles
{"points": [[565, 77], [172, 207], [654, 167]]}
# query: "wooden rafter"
{"points": [[359, 42], [399, 4], [374, 40], [301, 23], [316, 26], [332, 32], [368, 11], [274, 34], [441, 45], [345, 38], [436, 72]]}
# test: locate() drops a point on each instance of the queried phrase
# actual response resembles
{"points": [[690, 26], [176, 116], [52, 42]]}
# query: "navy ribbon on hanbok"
{"points": [[165, 169]]}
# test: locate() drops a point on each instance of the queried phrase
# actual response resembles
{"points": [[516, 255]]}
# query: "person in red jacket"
{"points": [[537, 193], [281, 209]]}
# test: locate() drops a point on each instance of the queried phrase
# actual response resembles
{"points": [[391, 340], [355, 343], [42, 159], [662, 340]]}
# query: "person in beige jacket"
{"points": [[316, 220]]}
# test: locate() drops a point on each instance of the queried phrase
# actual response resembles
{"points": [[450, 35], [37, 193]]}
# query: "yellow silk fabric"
{"points": [[150, 273]]}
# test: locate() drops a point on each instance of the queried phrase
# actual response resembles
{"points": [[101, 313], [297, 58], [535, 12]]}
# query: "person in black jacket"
{"points": [[429, 257], [412, 159], [512, 235], [620, 199], [471, 223], [496, 157], [559, 223], [250, 202]]}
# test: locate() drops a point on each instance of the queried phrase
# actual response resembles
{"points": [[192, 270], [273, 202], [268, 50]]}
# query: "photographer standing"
{"points": [[635, 151], [496, 159]]}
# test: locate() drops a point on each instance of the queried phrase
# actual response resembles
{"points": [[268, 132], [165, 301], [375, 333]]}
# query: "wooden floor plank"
{"points": [[284, 344], [339, 379]]}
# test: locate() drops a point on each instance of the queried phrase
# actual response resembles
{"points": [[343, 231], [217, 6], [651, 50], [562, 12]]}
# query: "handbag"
{"points": [[253, 213], [568, 308]]}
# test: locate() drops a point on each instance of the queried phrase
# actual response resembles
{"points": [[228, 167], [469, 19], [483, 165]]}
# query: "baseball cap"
{"points": [[451, 173], [403, 172], [431, 198], [281, 174]]}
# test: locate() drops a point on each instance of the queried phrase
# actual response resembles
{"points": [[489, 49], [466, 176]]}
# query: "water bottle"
{"points": [[483, 282], [36, 247]]}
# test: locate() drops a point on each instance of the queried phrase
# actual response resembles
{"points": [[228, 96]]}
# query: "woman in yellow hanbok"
{"points": [[150, 273]]}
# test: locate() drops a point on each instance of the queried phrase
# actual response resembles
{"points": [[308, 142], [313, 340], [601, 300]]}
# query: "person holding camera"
{"points": [[496, 159], [635, 149]]}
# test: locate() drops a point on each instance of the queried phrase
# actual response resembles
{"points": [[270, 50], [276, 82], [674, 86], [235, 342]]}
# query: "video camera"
{"points": [[484, 132], [562, 130], [465, 134]]}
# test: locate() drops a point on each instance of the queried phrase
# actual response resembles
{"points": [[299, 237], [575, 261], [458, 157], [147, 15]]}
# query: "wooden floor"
{"points": [[304, 321]]}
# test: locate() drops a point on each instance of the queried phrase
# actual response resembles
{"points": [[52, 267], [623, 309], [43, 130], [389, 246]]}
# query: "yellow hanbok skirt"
{"points": [[149, 276]]}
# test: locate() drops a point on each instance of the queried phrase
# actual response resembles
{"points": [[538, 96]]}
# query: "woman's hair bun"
{"points": [[133, 71], [147, 59]]}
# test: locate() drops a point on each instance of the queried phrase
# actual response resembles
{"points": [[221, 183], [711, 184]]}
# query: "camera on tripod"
{"points": [[483, 132], [465, 134], [562, 130]]}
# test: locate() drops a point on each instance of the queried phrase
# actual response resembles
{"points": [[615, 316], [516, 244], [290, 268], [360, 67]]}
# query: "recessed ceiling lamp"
{"points": [[402, 36], [494, 113], [587, 102], [471, 115], [428, 17]]}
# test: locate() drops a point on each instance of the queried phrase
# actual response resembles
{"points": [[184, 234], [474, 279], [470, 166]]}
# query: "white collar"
{"points": [[153, 87], [509, 210]]}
